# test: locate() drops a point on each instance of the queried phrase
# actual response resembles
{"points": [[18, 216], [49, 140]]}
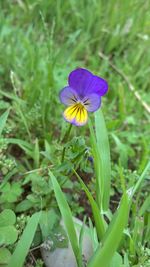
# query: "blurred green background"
{"points": [[42, 41]]}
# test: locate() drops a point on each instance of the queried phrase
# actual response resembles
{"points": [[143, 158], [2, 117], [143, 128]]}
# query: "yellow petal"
{"points": [[76, 114]]}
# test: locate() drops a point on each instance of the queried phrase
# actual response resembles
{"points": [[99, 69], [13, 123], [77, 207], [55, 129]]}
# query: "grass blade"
{"points": [[36, 154], [98, 218], [140, 180], [3, 119], [18, 257], [104, 152], [97, 166], [27, 147], [67, 217], [104, 254]]}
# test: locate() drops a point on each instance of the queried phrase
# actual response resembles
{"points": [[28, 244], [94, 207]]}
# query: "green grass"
{"points": [[40, 43]]}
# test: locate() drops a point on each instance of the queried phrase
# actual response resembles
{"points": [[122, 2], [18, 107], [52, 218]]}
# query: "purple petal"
{"points": [[79, 80], [84, 82], [98, 86], [92, 102], [68, 96]]}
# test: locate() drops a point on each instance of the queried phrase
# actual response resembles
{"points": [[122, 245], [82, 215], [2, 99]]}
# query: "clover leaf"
{"points": [[8, 233]]}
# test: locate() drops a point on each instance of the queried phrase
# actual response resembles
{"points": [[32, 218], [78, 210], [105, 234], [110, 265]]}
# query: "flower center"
{"points": [[80, 104]]}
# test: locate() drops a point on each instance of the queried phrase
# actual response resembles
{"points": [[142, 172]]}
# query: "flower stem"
{"points": [[65, 139], [97, 166]]}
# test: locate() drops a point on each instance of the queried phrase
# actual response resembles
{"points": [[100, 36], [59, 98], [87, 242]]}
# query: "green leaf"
{"points": [[104, 152], [140, 180], [4, 256], [47, 221], [101, 154], [82, 230], [24, 205], [112, 238], [25, 146], [8, 235], [145, 206], [98, 218], [58, 238], [97, 166], [126, 260], [67, 217], [7, 217], [3, 119], [23, 246], [122, 150], [36, 154], [147, 232], [11, 192], [138, 231], [116, 260]]}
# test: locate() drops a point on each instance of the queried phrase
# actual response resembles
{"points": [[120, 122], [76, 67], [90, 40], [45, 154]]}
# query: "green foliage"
{"points": [[3, 120], [112, 237], [10, 192], [8, 232], [104, 154], [57, 238], [68, 220], [98, 218], [24, 243], [48, 221], [53, 38], [4, 256]]}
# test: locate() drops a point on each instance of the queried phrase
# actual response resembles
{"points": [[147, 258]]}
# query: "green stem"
{"points": [[141, 178], [65, 139], [97, 166]]}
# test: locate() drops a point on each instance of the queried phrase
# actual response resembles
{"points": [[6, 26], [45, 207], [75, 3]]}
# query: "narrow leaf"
{"points": [[140, 180], [67, 217], [3, 119], [36, 154], [97, 166], [145, 206], [98, 218], [23, 246], [105, 253], [104, 152], [27, 147]]}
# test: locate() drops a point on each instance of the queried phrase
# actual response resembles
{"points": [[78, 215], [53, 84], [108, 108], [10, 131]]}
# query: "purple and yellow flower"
{"points": [[82, 95]]}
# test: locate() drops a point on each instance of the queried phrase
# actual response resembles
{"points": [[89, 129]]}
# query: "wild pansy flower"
{"points": [[82, 95]]}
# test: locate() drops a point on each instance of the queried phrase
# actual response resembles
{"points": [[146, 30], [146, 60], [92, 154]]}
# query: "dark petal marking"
{"points": [[77, 108], [92, 102], [76, 114], [68, 96], [74, 109], [85, 100], [73, 100]]}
